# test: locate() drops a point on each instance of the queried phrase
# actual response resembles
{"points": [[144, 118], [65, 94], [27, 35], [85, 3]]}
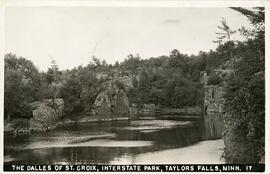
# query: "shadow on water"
{"points": [[101, 142]]}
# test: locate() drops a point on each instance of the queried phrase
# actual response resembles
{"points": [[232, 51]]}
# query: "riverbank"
{"points": [[205, 152], [8, 128]]}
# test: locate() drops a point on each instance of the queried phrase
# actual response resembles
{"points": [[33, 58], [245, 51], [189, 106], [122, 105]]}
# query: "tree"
{"points": [[104, 63], [244, 134], [131, 63], [53, 73], [53, 78], [255, 16], [116, 64], [178, 61], [70, 93], [80, 90], [226, 32], [21, 85], [175, 53], [96, 61]]}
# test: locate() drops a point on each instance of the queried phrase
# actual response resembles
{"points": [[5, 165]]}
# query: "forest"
{"points": [[168, 81]]}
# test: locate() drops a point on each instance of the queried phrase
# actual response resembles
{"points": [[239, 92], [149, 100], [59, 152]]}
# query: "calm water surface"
{"points": [[102, 143]]}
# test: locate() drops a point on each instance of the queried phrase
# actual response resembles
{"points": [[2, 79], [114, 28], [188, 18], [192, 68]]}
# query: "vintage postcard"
{"points": [[134, 86]]}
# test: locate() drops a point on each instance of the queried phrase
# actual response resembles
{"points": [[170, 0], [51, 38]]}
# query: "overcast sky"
{"points": [[72, 34]]}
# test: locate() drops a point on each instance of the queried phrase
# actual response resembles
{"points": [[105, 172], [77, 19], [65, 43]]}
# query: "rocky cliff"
{"points": [[213, 109], [213, 112], [112, 102], [213, 99], [46, 113]]}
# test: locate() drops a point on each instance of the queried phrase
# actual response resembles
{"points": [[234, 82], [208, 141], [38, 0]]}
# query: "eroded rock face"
{"points": [[213, 111], [46, 113], [102, 106], [213, 106], [121, 105], [112, 102], [213, 100]]}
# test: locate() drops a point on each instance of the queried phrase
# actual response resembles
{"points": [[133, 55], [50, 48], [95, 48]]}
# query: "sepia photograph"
{"points": [[114, 85]]}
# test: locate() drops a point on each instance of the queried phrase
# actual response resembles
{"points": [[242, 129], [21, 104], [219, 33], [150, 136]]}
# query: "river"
{"points": [[117, 142]]}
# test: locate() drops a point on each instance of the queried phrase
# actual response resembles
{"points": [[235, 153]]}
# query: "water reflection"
{"points": [[100, 142]]}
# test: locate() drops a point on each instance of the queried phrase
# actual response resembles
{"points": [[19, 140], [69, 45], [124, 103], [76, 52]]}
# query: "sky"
{"points": [[71, 35]]}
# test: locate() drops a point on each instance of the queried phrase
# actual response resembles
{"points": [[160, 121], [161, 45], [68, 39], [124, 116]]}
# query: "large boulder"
{"points": [[46, 113], [112, 102]]}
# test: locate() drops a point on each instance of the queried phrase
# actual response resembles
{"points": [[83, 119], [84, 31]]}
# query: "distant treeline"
{"points": [[171, 81], [168, 81]]}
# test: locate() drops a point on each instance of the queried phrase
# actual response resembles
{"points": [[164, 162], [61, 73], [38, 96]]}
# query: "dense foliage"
{"points": [[168, 81], [214, 79], [165, 81], [79, 90], [245, 97], [21, 85]]}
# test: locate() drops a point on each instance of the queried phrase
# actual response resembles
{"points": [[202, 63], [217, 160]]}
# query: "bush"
{"points": [[245, 109]]}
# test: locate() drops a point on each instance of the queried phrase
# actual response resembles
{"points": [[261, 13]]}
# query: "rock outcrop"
{"points": [[127, 81], [46, 113], [213, 109], [213, 99], [112, 102]]}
